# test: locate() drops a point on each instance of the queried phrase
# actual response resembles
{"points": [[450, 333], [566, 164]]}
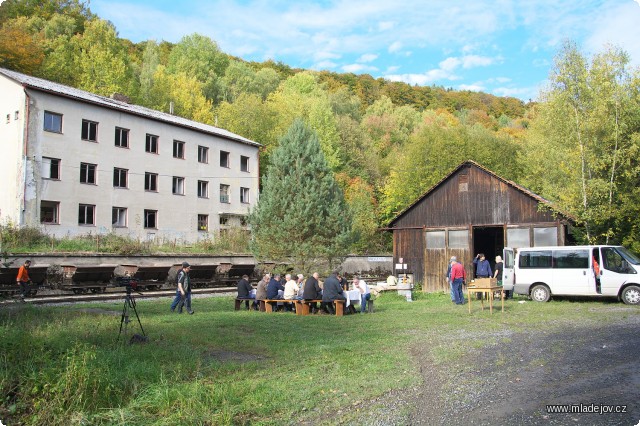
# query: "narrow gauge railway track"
{"points": [[112, 295]]}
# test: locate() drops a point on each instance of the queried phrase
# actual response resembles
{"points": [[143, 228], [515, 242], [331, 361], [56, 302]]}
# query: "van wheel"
{"points": [[540, 293], [631, 295]]}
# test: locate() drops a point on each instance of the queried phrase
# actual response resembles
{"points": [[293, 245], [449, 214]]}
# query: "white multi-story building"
{"points": [[78, 163]]}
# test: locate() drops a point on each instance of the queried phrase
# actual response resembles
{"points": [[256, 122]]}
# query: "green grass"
{"points": [[62, 365]]}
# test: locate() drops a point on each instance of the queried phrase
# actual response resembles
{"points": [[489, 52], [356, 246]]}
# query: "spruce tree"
{"points": [[301, 217]]}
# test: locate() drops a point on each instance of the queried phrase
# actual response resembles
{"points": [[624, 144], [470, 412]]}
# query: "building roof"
{"points": [[508, 182], [83, 96]]}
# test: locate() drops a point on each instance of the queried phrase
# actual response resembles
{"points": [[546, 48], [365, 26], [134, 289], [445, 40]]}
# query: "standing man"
{"points": [[458, 276], [332, 291], [365, 295], [449, 280], [498, 276], [483, 269], [23, 279], [245, 290], [183, 293]]}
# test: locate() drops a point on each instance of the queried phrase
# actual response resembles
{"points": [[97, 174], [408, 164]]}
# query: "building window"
{"points": [[151, 219], [459, 239], [119, 178], [50, 168], [545, 236], [224, 193], [49, 212], [224, 220], [151, 182], [8, 118], [244, 195], [203, 154], [203, 222], [203, 189], [88, 173], [435, 239], [244, 163], [52, 122], [122, 137], [178, 149], [17, 115], [89, 131], [86, 214], [224, 159], [178, 185], [119, 217], [151, 144], [518, 237]]}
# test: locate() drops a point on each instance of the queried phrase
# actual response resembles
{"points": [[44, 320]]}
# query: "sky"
{"points": [[502, 47]]}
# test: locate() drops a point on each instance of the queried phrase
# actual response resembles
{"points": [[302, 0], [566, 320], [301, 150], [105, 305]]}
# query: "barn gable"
{"points": [[471, 210]]}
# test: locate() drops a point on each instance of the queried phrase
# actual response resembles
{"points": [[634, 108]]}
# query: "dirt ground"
{"points": [[511, 382]]}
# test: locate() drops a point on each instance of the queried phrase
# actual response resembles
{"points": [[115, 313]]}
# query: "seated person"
{"points": [[290, 290], [312, 291], [332, 291], [261, 290], [245, 291], [273, 287]]}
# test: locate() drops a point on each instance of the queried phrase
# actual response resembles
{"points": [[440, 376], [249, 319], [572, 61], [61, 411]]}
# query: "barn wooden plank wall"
{"points": [[471, 196]]}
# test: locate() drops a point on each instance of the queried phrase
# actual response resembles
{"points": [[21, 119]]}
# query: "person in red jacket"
{"points": [[23, 279], [458, 277]]}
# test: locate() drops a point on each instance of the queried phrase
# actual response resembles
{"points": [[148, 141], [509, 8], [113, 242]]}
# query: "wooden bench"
{"points": [[239, 303], [302, 306]]}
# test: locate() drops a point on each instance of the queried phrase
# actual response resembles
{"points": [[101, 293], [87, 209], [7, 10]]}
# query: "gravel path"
{"points": [[512, 381]]}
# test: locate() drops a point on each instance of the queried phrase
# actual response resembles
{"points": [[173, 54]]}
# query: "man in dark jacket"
{"points": [[312, 291], [273, 287], [245, 289], [332, 291]]}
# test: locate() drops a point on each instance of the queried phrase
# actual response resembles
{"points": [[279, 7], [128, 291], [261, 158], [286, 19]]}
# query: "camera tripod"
{"points": [[129, 303]]}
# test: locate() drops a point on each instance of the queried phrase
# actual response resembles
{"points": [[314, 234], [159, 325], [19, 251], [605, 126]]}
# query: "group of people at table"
{"points": [[296, 287]]}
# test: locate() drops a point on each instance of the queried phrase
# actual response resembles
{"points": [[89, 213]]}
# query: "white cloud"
{"points": [[472, 87], [395, 47], [524, 93], [618, 26], [392, 69], [386, 25], [359, 68], [472, 61], [324, 65], [368, 57]]}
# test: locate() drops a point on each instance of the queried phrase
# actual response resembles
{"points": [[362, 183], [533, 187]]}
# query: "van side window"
{"points": [[535, 259], [574, 259], [613, 261]]}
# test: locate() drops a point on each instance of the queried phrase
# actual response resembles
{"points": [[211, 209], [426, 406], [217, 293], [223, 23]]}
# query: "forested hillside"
{"points": [[386, 142]]}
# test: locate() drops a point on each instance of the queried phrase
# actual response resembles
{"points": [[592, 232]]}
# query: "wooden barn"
{"points": [[472, 210]]}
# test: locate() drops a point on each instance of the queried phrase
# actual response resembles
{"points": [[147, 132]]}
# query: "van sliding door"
{"points": [[571, 273]]}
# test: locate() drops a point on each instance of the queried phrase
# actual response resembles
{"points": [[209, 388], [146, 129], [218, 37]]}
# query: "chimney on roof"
{"points": [[171, 107], [121, 98]]}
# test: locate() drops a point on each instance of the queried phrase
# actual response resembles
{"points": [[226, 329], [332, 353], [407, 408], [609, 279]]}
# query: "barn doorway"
{"points": [[488, 240]]}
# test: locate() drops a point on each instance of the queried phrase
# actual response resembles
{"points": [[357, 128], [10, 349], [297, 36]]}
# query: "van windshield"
{"points": [[629, 257]]}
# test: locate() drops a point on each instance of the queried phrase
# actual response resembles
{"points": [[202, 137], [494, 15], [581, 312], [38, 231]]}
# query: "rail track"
{"points": [[112, 294]]}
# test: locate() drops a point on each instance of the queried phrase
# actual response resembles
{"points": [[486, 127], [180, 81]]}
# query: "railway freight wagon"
{"points": [[9, 286], [97, 278]]}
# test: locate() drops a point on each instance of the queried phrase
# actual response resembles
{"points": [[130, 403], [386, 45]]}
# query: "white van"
{"points": [[542, 272]]}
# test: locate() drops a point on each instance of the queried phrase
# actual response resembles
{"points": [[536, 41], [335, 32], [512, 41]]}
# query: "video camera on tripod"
{"points": [[130, 285], [129, 282]]}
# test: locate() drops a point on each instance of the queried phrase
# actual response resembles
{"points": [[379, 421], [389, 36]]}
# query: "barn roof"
{"points": [[474, 164], [83, 96]]}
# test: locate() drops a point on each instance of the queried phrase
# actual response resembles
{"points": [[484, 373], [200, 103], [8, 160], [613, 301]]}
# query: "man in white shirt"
{"points": [[364, 293]]}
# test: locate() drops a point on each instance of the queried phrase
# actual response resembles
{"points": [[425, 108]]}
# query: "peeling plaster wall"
{"points": [[12, 102]]}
